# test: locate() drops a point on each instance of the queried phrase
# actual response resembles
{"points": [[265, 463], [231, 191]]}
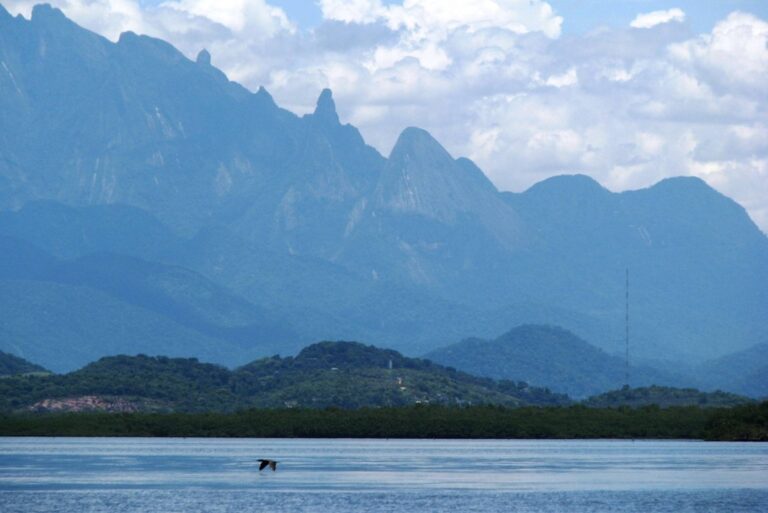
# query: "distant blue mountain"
{"points": [[744, 372], [548, 356], [64, 312], [72, 232], [131, 150], [693, 255]]}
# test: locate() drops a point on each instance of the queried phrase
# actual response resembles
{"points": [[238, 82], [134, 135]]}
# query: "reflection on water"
{"points": [[162, 475]]}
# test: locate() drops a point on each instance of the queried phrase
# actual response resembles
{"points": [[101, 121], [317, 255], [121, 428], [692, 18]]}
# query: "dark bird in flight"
{"points": [[267, 463]]}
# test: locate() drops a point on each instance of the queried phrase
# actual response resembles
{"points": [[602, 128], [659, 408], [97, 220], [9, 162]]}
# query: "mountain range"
{"points": [[555, 358], [149, 204]]}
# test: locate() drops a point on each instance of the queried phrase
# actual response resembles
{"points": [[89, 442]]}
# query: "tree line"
{"points": [[747, 422]]}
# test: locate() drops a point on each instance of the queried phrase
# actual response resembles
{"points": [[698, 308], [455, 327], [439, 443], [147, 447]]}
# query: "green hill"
{"points": [[665, 397], [327, 374], [11, 365]]}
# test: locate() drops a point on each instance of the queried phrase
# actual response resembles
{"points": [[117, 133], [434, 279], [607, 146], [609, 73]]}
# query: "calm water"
{"points": [[66, 475]]}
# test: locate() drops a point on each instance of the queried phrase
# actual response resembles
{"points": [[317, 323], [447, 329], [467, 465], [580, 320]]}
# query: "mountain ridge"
{"points": [[64, 313], [297, 214], [551, 357], [326, 374]]}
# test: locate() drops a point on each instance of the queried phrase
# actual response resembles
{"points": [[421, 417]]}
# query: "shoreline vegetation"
{"points": [[350, 390], [345, 375], [741, 423]]}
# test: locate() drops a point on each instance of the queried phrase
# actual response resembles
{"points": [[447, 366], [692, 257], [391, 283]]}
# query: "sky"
{"points": [[626, 91]]}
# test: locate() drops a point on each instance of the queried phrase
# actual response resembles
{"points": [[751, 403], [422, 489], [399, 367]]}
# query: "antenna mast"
{"points": [[626, 335]]}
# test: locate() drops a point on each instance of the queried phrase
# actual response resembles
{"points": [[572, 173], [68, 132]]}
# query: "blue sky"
{"points": [[584, 15], [581, 16]]}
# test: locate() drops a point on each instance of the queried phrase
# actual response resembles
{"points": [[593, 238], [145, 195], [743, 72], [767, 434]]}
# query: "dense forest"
{"points": [[664, 397], [12, 365], [327, 374], [347, 389], [748, 422], [344, 375]]}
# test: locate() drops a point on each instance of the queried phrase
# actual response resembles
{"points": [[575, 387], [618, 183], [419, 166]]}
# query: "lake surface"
{"points": [[74, 475]]}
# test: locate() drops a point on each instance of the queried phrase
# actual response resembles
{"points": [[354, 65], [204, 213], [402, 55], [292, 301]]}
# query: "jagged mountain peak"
{"points": [[417, 143], [411, 133], [423, 178], [204, 57], [263, 95], [127, 37], [325, 111], [156, 47], [417, 148], [46, 12], [87, 121], [49, 20]]}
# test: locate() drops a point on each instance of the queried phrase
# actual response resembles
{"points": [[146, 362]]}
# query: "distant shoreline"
{"points": [[742, 423]]}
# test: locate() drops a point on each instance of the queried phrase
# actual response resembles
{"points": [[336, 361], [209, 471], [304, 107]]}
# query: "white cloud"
{"points": [[568, 78], [432, 18], [107, 17], [189, 24], [734, 54], [239, 16], [651, 19], [238, 33], [425, 26], [494, 81], [352, 11]]}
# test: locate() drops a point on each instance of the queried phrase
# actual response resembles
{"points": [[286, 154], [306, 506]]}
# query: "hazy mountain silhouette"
{"points": [[131, 149], [744, 372], [65, 312], [551, 357]]}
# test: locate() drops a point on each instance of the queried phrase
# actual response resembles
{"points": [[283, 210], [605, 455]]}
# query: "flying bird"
{"points": [[267, 463]]}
